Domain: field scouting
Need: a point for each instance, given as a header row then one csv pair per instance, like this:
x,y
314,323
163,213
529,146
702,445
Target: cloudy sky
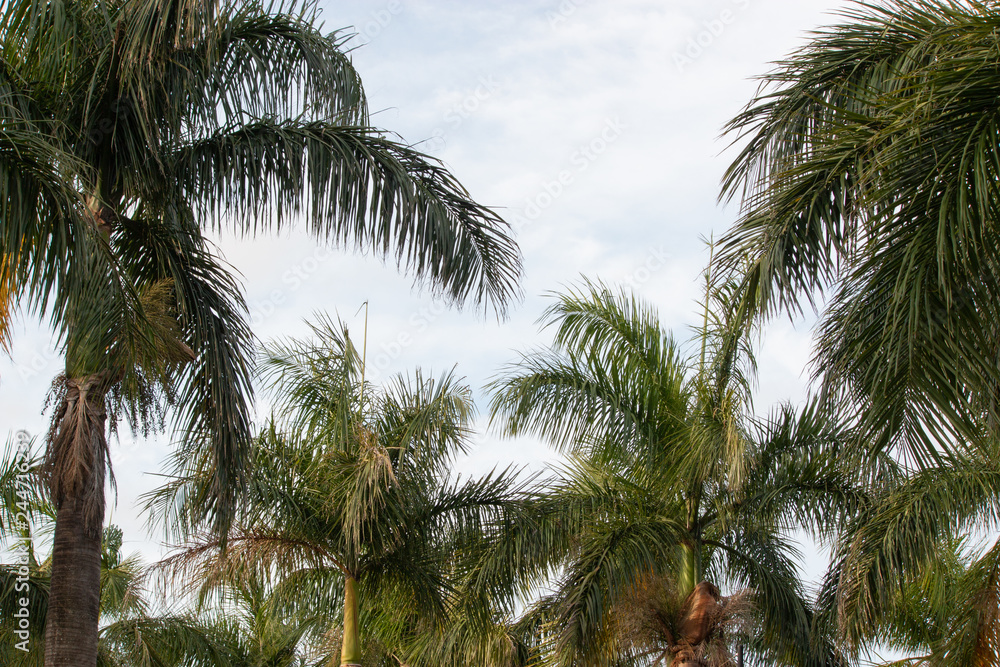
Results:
x,y
592,126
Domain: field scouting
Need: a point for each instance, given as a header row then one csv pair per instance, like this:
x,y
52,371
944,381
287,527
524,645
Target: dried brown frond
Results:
x,y
77,456
202,565
374,454
738,610
987,604
652,621
158,301
647,614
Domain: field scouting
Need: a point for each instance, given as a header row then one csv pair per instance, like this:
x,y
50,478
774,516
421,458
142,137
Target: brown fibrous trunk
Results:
x,y
699,617
77,464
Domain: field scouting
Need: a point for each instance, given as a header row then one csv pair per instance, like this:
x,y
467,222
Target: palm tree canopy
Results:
x,y
670,480
352,483
869,170
128,127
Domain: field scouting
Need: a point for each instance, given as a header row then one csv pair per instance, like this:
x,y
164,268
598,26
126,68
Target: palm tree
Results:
x,y
869,171
247,618
126,128
672,492
130,635
351,505
905,570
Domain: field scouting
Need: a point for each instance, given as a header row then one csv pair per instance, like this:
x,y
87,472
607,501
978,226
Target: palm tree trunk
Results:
x,y
350,652
690,570
76,462
696,623
71,627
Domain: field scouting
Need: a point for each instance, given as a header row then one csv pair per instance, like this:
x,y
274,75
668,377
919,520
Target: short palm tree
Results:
x,y
248,619
673,492
127,127
351,506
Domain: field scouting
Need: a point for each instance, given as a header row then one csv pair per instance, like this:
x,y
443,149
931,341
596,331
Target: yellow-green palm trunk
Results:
x,y
350,653
690,570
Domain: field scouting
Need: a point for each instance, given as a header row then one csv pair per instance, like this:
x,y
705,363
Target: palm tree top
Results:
x,y
132,126
673,488
866,185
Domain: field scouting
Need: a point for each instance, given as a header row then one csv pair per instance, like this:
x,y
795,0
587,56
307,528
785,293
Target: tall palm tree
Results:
x,y
351,504
127,127
673,492
869,171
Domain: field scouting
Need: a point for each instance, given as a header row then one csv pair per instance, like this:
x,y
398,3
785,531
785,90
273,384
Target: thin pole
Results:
x,y
708,292
364,356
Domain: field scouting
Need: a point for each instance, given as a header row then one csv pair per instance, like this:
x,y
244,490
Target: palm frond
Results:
x,y
869,172
357,188
902,532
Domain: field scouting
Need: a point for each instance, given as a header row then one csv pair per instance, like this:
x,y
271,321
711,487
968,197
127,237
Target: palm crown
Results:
x,y
161,118
672,490
351,504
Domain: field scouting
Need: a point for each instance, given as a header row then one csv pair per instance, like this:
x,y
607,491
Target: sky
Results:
x,y
592,126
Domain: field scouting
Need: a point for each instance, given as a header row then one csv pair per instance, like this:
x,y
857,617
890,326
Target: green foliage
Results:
x,y
670,481
900,574
130,634
128,127
870,172
352,481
